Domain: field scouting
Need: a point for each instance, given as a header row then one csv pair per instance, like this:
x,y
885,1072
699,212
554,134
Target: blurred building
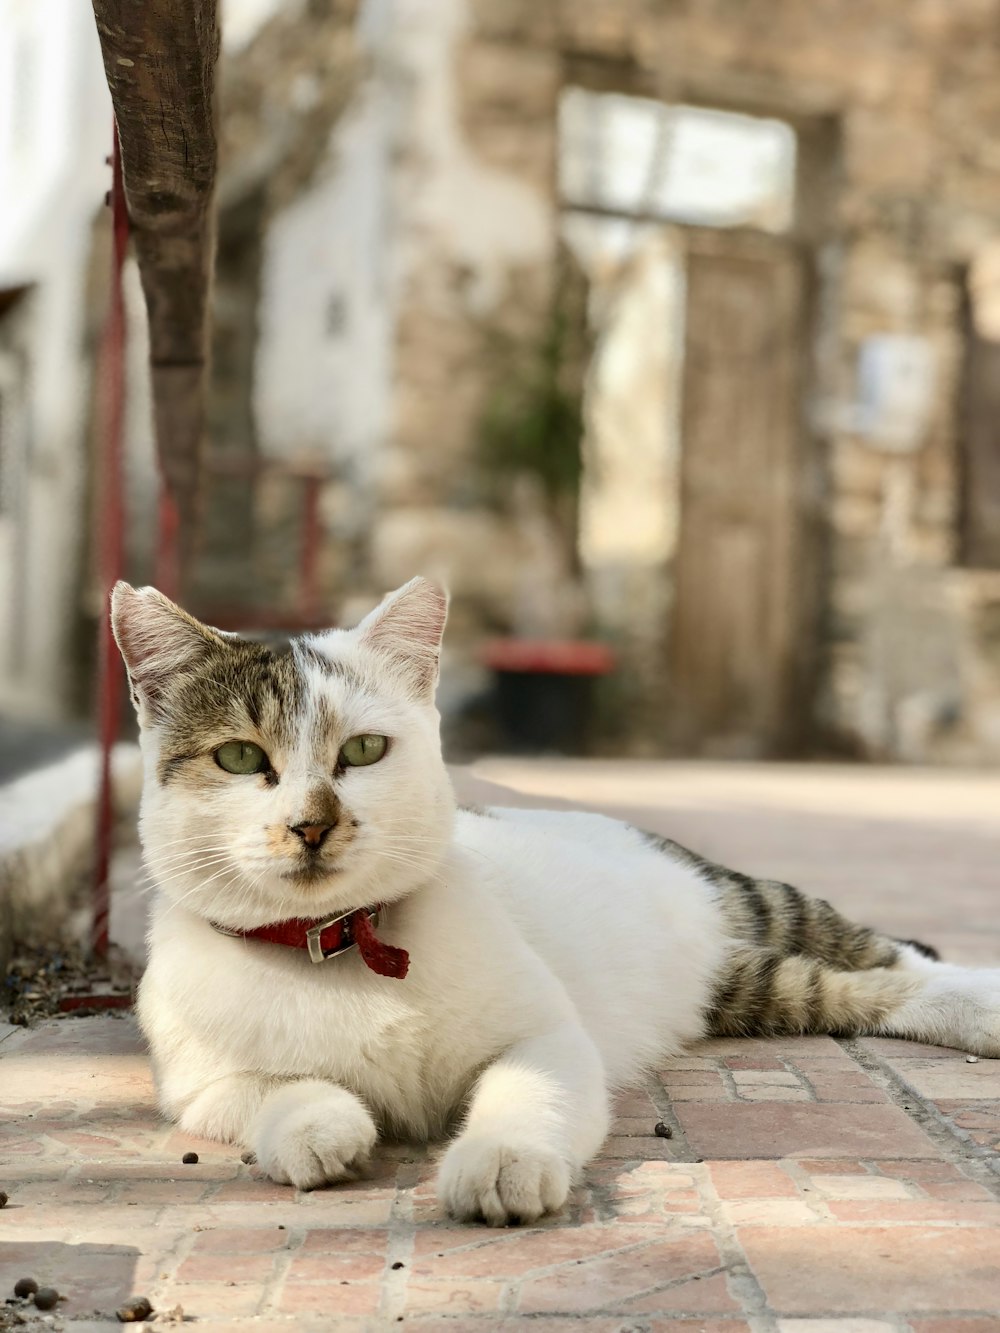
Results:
x,y
55,130
677,324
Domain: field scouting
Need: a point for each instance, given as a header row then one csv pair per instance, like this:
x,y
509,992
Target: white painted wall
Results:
x,y
55,130
400,192
323,364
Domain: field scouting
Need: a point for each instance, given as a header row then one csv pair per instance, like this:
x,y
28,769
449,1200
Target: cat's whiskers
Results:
x,y
191,856
170,872
193,867
177,902
203,883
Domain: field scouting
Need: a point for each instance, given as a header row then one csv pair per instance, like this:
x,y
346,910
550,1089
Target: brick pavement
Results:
x,y
810,1186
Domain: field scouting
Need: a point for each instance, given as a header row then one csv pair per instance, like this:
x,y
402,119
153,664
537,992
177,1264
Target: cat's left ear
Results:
x,y
158,641
405,629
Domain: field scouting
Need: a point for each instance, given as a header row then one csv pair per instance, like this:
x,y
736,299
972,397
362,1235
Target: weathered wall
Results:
x,y
426,228
899,112
55,130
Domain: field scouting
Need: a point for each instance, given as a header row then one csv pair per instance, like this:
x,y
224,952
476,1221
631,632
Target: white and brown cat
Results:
x,y
336,952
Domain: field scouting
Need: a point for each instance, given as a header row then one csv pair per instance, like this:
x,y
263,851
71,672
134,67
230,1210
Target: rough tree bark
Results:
x,y
160,58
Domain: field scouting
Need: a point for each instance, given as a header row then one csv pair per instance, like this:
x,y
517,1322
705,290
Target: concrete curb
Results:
x,y
47,835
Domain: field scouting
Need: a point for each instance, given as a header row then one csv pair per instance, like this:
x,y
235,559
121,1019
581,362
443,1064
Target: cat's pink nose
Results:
x,y
312,835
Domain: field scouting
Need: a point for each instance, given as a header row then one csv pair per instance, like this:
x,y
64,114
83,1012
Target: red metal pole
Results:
x,y
111,556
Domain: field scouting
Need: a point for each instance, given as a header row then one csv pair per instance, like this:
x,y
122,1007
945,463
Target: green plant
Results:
x,y
532,422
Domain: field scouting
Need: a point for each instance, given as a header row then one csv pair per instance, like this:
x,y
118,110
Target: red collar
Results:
x,y
328,938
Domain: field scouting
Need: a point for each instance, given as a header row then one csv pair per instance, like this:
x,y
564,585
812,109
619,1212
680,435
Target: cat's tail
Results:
x,y
762,992
778,916
797,965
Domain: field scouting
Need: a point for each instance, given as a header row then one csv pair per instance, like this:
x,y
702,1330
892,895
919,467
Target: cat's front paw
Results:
x,y
313,1134
501,1183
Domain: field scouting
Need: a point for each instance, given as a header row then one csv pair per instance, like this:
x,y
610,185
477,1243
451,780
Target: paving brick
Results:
x,y
831,1060
201,1300
792,1129
776,1212
634,1104
262,1324
862,1187
342,1240
571,1324
775,1078
695,1086
647,1192
454,1296
854,1270
241,1240
666,1276
249,1189
772,1093
751,1180
164,1191
226,1267
631,1148
888,1048
332,1299
836,1326
834,1166
963,1213
966,1189
771,1049
333,1267
475,1253
954,1324
951,1078
748,1062
633,1126
845,1087
980,1120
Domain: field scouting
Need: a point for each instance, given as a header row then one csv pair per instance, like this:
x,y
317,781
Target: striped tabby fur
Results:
x,y
799,965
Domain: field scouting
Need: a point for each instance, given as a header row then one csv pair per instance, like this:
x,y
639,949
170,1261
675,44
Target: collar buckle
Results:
x,y
314,944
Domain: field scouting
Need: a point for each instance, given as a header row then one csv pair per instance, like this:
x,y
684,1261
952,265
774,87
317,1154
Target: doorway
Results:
x,y
698,508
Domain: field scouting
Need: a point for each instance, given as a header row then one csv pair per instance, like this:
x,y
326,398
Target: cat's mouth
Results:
x,y
312,872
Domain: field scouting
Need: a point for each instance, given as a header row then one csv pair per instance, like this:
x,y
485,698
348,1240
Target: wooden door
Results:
x,y
742,636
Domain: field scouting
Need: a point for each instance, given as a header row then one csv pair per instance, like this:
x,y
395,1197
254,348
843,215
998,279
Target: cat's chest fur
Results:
x,y
529,924
410,1049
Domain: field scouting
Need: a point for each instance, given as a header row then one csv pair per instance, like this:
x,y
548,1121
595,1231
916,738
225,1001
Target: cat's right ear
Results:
x,y
157,640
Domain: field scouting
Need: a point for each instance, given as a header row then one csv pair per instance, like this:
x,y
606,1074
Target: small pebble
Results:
x,y
398,1264
135,1310
189,1158
46,1298
25,1286
3,1199
972,1059
662,1131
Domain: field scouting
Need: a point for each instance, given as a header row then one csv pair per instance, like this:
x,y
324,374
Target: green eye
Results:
x,y
242,757
361,750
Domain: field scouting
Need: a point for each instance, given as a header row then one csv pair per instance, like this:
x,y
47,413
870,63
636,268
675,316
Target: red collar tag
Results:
x,y
329,938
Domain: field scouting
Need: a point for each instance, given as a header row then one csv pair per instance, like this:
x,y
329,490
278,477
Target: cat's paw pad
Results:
x,y
501,1183
312,1142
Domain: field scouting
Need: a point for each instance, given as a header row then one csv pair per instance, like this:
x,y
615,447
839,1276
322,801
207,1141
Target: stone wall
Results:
x,y
414,229
898,110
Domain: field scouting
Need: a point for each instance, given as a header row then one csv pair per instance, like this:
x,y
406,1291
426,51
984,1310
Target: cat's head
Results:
x,y
288,784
